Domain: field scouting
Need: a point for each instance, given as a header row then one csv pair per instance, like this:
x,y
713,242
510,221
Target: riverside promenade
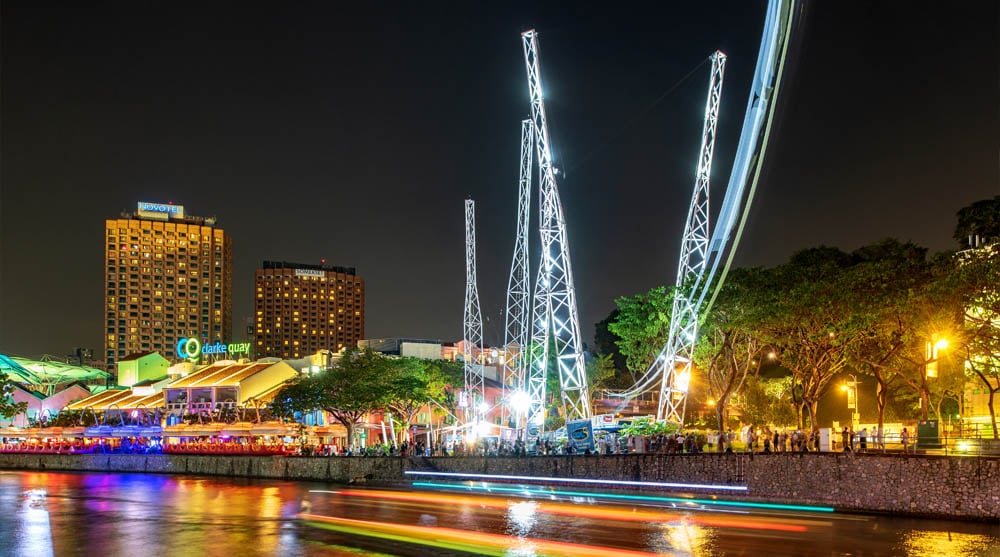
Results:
x,y
932,486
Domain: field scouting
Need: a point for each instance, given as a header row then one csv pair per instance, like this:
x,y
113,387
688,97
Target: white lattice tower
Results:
x,y
473,320
721,247
559,293
518,289
675,358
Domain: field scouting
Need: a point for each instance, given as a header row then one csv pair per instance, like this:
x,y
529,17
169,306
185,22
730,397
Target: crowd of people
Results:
x,y
750,438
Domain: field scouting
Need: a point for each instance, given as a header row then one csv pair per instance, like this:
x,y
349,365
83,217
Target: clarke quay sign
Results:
x,y
192,349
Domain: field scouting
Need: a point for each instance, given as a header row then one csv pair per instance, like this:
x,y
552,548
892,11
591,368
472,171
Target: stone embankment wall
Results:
x,y
934,486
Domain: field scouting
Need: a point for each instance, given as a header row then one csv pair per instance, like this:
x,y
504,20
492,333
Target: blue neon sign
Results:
x,y
160,208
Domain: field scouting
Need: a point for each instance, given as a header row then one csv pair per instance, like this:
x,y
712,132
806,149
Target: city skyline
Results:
x,y
355,139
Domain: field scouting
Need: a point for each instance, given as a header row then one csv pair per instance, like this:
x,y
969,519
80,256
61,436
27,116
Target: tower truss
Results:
x,y
675,358
700,262
557,291
473,320
518,288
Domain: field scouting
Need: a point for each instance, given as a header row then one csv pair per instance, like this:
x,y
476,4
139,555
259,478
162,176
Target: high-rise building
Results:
x,y
168,276
299,309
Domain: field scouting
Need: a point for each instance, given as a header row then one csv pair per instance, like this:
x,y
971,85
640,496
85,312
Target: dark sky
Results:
x,y
354,131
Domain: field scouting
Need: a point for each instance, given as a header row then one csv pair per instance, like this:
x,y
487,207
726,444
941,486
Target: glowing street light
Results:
x,y
853,400
932,356
519,402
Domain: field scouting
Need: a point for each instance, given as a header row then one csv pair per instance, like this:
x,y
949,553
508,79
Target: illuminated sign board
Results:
x,y
192,349
309,273
160,210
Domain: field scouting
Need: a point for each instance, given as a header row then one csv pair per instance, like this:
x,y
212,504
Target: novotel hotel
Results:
x,y
168,275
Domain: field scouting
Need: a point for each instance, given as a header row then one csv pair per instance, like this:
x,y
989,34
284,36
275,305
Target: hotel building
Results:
x,y
168,276
300,309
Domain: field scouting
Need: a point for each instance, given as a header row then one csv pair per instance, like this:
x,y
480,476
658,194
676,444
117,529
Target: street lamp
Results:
x,y
932,349
853,400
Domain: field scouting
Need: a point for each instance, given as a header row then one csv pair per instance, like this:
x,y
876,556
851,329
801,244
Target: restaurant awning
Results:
x,y
123,431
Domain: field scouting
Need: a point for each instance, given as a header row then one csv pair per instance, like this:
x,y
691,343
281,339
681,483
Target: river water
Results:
x,y
54,513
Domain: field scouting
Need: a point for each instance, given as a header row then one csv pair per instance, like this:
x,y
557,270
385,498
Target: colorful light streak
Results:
x,y
591,512
622,497
579,481
462,540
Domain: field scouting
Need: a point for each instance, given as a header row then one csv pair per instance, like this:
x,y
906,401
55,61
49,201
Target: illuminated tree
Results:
x,y
411,383
887,284
642,326
9,408
808,323
977,278
349,391
728,349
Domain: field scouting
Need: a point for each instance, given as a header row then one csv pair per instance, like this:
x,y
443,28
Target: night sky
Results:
x,y
353,133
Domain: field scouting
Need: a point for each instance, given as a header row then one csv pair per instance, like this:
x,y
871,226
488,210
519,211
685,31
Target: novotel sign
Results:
x,y
161,209
192,349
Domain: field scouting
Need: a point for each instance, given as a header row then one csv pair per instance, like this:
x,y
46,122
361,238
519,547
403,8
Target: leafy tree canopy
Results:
x,y
982,219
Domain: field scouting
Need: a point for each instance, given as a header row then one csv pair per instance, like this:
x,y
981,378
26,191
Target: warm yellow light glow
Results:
x,y
844,388
711,402
682,381
941,344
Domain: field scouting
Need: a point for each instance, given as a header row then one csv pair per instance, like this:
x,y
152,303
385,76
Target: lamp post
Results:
x,y
931,356
853,400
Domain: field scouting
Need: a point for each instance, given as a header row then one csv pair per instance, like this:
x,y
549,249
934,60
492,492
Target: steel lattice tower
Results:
x,y
473,318
518,288
701,258
675,358
555,286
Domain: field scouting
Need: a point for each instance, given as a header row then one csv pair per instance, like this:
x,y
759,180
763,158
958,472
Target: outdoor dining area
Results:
x,y
241,438
79,440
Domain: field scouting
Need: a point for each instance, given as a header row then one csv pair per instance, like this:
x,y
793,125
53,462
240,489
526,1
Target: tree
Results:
x,y
727,348
642,327
808,323
299,395
768,401
600,372
356,387
931,315
982,219
884,284
412,383
349,391
9,408
977,278
606,343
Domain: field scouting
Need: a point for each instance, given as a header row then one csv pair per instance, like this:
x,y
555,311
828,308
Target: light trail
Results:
x,y
590,512
579,481
468,541
622,497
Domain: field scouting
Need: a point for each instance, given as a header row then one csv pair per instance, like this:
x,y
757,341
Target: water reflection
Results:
x,y
36,532
121,514
929,543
